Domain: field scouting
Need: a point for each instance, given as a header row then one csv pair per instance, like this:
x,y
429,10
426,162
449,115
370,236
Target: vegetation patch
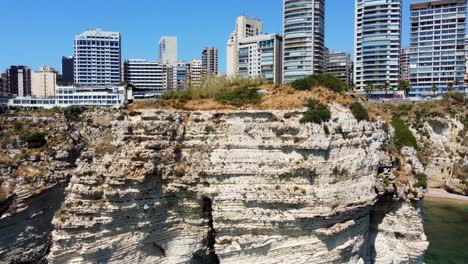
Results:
x,y
240,97
317,113
34,139
359,112
422,180
317,80
72,113
403,135
457,97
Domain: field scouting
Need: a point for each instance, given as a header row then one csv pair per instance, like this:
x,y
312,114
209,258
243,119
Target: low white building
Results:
x,y
43,82
110,96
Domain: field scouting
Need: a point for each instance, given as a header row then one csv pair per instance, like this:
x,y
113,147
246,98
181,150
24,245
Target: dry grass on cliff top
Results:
x,y
277,97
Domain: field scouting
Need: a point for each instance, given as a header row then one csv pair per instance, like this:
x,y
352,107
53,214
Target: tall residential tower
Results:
x,y
168,50
210,62
245,27
377,43
303,38
97,58
438,29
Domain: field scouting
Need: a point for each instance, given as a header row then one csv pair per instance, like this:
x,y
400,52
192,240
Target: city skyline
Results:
x,y
140,41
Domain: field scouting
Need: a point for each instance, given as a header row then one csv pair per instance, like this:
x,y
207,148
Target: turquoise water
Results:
x,y
446,226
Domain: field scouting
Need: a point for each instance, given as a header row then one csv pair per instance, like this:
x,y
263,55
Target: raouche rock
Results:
x,y
245,186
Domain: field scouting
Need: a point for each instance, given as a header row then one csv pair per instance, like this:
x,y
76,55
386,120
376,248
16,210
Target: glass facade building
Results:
x,y
146,76
377,42
437,54
304,38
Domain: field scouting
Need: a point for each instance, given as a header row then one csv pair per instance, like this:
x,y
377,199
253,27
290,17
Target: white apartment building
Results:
x,y
43,82
168,50
146,76
97,58
196,73
377,43
438,33
303,38
260,56
245,27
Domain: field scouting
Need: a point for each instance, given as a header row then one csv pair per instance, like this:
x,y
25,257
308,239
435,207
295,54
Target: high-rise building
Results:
x,y
43,82
260,56
67,70
303,38
245,27
377,43
97,58
147,77
466,60
405,65
19,78
340,65
438,29
210,62
168,50
4,85
196,73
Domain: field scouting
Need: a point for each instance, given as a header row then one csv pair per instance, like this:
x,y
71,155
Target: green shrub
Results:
x,y
214,87
240,97
34,139
72,113
316,80
422,180
456,96
403,135
317,113
359,112
182,96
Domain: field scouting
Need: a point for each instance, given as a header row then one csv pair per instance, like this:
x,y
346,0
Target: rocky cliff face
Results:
x,y
165,186
444,153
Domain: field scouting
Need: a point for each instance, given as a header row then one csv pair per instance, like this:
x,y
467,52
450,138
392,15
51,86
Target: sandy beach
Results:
x,y
438,195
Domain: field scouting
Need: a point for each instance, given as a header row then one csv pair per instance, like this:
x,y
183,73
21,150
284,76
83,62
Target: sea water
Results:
x,y
446,226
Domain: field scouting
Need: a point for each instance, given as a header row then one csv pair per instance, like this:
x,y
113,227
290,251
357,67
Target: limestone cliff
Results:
x,y
247,186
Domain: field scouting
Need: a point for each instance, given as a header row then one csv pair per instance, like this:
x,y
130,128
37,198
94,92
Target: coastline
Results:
x,y
442,196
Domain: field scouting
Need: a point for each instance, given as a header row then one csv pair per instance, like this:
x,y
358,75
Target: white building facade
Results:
x,y
146,76
245,27
303,38
97,58
438,31
110,96
260,56
43,82
377,43
196,73
167,50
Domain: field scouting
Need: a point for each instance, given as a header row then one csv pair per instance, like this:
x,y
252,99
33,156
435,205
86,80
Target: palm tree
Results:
x,y
434,88
368,88
386,86
405,85
450,86
456,83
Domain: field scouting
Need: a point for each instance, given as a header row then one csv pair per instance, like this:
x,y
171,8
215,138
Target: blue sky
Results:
x,y
39,32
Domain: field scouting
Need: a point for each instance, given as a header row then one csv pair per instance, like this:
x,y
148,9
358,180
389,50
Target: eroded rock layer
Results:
x,y
166,186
